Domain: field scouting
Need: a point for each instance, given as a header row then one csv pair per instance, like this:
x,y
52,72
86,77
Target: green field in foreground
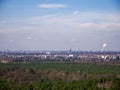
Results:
x,y
59,76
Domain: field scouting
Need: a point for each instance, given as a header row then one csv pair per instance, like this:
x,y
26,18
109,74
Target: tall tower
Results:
x,y
70,50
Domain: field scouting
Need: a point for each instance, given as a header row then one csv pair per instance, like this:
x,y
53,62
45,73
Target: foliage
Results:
x,y
59,76
61,85
69,67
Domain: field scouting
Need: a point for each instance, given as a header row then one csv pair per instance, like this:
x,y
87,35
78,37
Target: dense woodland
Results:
x,y
59,76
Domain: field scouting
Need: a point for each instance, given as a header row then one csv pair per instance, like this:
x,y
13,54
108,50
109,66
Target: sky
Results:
x,y
60,25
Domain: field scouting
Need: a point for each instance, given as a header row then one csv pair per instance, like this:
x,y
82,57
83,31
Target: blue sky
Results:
x,y
59,24
26,8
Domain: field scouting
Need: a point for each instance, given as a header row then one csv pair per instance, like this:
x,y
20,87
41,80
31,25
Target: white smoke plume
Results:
x,y
104,45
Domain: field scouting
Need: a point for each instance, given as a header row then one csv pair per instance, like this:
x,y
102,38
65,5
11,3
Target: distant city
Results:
x,y
67,56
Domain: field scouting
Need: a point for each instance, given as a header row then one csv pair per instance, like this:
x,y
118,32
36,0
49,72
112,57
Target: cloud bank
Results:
x,y
74,30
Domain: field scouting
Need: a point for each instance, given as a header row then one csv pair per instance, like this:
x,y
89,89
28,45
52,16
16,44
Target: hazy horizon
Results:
x,y
60,25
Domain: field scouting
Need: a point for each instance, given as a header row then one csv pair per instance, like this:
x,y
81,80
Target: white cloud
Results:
x,y
51,5
28,38
75,12
11,41
81,22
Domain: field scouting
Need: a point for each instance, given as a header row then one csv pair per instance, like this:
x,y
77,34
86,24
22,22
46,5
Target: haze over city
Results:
x,y
60,25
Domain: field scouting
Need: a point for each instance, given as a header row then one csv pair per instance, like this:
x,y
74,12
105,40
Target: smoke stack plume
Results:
x,y
104,45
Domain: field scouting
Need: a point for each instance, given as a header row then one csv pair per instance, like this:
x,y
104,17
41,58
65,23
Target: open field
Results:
x,y
59,76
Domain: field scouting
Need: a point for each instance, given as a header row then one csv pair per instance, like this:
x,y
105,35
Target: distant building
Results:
x,y
5,61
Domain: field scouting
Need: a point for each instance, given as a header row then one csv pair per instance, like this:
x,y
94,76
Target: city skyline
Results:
x,y
60,25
